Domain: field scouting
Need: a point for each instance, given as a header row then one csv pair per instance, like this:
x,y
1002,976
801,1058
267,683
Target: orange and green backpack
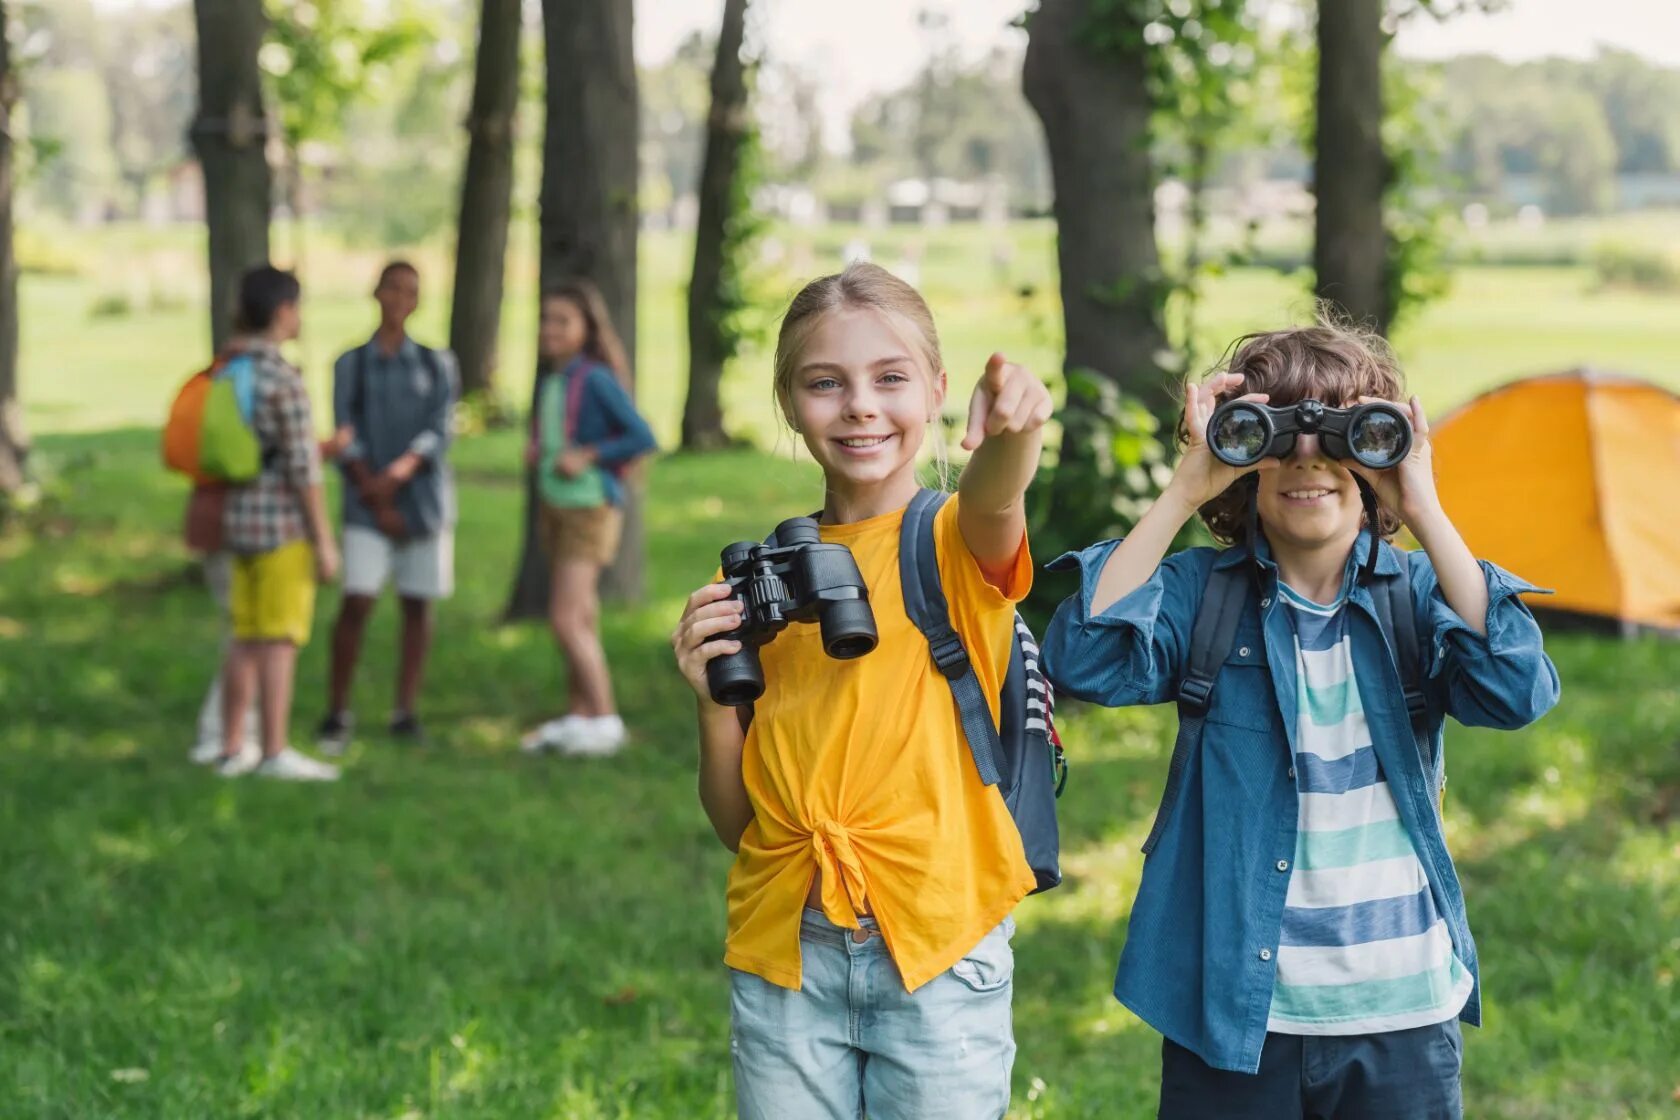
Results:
x,y
209,434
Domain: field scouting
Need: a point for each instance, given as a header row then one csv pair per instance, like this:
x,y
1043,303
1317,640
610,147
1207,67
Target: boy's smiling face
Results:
x,y
1310,502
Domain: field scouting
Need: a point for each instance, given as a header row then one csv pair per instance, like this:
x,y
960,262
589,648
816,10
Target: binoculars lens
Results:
x,y
1379,438
1240,436
848,629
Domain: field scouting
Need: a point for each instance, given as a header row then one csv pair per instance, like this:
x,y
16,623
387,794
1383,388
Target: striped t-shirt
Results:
x,y
1363,947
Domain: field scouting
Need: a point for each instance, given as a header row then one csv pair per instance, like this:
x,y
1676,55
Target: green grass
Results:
x,y
463,932
989,289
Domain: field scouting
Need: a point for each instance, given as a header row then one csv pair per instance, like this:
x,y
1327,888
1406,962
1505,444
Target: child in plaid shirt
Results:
x,y
276,528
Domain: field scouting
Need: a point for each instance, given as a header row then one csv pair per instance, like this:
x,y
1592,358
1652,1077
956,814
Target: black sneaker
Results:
x,y
333,734
406,726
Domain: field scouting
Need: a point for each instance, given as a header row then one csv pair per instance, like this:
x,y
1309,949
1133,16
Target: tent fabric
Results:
x,y
1572,481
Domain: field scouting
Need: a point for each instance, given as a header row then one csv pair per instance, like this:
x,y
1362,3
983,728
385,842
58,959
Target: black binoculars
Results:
x,y
1376,435
791,577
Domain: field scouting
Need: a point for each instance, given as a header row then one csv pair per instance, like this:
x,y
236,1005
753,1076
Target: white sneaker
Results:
x,y
596,737
290,766
551,735
234,766
210,750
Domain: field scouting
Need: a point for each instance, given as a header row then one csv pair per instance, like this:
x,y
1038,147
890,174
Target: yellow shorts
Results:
x,y
588,534
273,595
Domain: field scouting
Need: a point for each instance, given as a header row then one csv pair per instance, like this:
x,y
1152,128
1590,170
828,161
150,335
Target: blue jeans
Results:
x,y
852,1042
1397,1075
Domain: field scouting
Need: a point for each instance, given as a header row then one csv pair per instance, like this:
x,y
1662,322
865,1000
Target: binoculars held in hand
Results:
x,y
1377,435
792,577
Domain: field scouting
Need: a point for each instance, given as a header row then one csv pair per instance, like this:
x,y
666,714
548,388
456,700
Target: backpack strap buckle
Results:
x,y
1196,691
949,654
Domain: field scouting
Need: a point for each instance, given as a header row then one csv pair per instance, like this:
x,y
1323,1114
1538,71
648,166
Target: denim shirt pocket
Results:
x,y
1242,697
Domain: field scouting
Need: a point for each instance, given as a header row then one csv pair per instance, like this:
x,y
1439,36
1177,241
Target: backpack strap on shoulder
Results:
x,y
1392,598
1223,599
925,603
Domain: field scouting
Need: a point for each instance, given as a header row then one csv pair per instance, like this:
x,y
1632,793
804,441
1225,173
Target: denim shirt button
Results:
x,y
1292,773
1265,954
1283,865
1243,652
1266,602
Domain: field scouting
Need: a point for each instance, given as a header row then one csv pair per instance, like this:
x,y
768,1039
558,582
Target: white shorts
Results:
x,y
422,568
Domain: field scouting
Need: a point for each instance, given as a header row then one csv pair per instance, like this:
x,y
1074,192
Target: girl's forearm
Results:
x,y
999,471
723,791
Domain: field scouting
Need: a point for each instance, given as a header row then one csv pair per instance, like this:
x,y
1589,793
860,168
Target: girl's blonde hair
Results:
x,y
866,286
602,342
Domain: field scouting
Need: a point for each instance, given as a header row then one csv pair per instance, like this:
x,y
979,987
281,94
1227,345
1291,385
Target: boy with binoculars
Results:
x,y
1299,936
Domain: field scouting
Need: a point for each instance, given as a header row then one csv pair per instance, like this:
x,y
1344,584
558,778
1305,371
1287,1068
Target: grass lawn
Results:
x,y
462,932
989,290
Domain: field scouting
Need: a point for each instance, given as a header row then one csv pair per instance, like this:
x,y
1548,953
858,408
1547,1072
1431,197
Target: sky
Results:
x,y
861,46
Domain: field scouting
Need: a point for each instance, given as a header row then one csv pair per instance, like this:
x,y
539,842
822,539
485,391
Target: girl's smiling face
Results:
x,y
862,398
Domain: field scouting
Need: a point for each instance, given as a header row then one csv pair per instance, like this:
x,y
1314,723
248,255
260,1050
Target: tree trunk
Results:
x,y
486,193
1350,171
1095,111
1095,107
14,444
588,225
726,129
229,136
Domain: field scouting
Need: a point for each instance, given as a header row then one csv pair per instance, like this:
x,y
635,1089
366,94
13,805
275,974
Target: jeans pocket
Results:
x,y
990,965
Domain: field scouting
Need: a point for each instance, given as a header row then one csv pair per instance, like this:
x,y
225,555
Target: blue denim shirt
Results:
x,y
1200,959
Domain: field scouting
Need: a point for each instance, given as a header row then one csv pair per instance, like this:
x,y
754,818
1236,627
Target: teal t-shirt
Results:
x,y
588,489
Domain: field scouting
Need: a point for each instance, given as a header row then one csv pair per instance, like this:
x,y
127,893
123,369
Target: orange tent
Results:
x,y
1572,482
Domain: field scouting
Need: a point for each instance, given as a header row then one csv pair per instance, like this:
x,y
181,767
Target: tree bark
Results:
x,y
1095,111
726,130
14,443
229,135
1350,248
1095,107
588,226
486,197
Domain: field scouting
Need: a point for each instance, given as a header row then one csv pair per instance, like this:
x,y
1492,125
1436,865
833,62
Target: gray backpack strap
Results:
x,y
1392,597
924,602
1210,643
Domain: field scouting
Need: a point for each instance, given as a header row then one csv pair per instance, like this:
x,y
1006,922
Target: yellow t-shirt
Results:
x,y
860,767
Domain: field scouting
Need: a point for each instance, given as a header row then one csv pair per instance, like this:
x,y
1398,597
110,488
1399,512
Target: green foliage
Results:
x,y
742,315
69,118
323,55
957,119
1624,266
675,96
1073,502
1416,214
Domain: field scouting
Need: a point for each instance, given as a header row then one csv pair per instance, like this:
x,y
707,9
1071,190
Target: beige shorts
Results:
x,y
580,534
422,569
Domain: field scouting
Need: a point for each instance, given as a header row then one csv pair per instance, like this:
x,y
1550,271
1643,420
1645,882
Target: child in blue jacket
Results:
x,y
1299,935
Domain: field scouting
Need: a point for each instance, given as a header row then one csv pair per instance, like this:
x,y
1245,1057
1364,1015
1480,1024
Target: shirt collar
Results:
x,y
1388,559
405,352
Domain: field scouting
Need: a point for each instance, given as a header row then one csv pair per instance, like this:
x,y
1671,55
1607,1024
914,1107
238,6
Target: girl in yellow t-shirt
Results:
x,y
875,874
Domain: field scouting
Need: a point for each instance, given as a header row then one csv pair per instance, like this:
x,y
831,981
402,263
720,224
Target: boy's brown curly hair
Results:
x,y
1330,361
